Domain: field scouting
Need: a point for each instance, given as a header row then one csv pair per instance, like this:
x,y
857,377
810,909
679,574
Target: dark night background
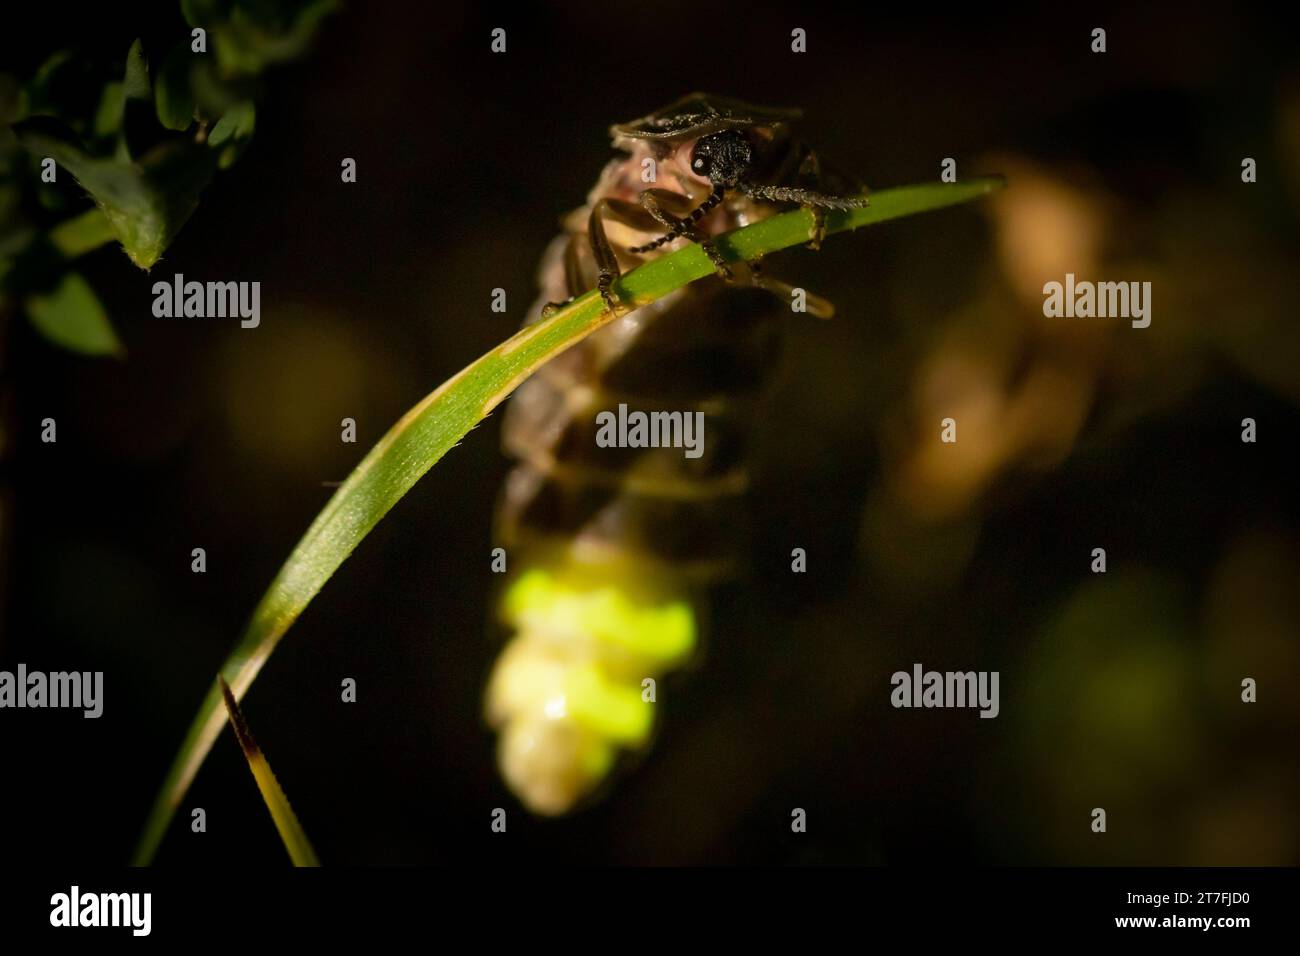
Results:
x,y
1118,690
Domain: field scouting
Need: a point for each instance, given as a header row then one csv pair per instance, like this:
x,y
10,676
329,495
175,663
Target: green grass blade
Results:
x,y
286,821
443,418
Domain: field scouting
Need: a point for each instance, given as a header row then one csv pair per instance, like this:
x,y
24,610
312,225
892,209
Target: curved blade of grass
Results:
x,y
431,428
286,821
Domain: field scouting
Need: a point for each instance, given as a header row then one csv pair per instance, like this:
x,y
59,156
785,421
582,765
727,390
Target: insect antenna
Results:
x,y
805,197
698,213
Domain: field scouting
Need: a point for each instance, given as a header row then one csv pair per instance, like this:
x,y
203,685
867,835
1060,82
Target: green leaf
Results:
x,y
80,234
38,93
71,316
108,116
135,84
286,822
139,132
146,201
233,132
235,124
197,12
172,97
426,432
249,37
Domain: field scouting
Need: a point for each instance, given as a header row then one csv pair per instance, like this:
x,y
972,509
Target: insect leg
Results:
x,y
607,269
810,173
689,216
814,305
654,202
573,278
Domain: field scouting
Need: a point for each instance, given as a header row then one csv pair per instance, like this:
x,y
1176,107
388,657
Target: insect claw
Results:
x,y
611,300
818,231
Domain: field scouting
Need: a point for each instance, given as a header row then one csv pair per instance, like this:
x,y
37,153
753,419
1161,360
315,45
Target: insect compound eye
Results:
x,y
722,158
702,158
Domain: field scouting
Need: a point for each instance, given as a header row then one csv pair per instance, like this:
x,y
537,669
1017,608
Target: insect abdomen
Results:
x,y
610,544
702,361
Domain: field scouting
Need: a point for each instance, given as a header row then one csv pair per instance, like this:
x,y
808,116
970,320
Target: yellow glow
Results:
x,y
566,693
615,711
541,602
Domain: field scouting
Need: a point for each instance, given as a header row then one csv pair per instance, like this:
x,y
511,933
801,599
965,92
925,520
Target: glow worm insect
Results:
x,y
613,548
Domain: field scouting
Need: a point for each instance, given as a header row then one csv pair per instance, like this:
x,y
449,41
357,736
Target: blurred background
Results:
x,y
1118,690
